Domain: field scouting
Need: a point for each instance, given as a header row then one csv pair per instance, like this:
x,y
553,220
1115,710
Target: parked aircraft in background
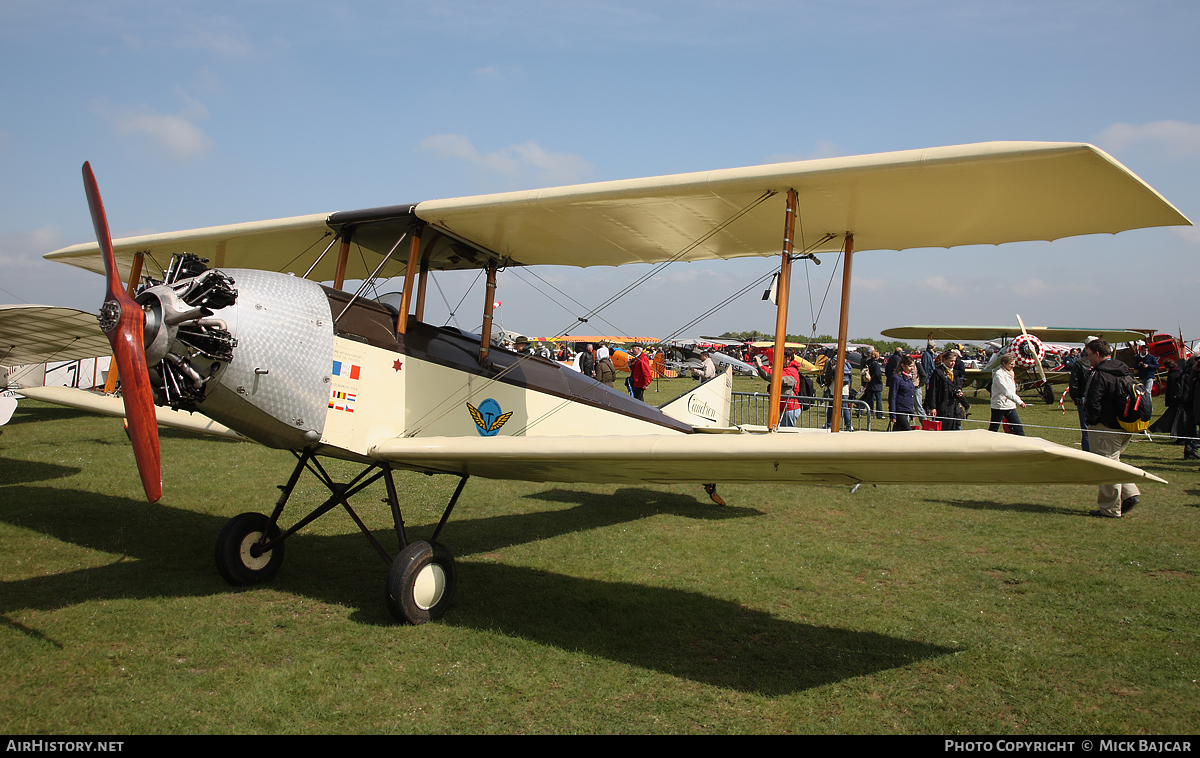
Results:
x,y
1027,344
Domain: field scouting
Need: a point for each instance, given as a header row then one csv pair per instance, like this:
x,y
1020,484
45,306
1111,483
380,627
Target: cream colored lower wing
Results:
x,y
918,457
107,405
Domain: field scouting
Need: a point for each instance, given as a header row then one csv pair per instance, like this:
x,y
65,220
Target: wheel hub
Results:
x,y
429,586
247,551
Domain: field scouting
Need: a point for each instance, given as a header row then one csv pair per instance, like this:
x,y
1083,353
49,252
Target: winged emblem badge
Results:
x,y
488,418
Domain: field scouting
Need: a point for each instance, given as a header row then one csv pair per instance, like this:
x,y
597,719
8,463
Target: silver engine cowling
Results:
x,y
250,349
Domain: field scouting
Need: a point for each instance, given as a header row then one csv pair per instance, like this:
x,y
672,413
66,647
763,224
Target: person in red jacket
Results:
x,y
639,369
793,383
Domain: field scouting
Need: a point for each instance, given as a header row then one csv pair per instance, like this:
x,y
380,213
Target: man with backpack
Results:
x,y
1191,404
1105,399
1077,388
872,384
826,380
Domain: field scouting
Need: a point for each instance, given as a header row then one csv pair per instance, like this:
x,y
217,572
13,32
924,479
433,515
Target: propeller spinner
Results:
x,y
122,320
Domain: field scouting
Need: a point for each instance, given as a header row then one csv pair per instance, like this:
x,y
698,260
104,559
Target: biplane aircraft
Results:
x,y
686,358
1027,345
227,332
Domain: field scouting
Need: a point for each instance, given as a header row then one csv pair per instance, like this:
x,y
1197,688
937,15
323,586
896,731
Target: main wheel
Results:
x,y
238,558
1048,394
420,584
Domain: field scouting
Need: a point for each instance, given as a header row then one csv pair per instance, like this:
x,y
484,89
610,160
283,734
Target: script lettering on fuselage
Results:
x,y
701,408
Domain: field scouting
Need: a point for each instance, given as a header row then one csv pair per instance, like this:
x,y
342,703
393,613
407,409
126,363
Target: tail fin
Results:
x,y
706,406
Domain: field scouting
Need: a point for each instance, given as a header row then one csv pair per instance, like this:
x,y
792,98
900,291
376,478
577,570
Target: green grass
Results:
x,y
598,609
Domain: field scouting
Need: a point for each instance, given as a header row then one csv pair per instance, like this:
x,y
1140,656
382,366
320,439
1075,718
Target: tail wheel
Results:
x,y
421,582
239,557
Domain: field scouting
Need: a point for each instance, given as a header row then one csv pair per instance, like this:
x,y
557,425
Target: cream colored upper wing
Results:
x,y
43,333
939,197
979,457
267,245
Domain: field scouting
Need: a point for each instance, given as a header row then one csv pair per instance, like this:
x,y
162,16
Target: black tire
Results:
x,y
234,559
421,582
1048,394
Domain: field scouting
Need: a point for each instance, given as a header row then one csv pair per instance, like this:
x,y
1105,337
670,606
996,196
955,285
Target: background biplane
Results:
x,y
1026,343
300,366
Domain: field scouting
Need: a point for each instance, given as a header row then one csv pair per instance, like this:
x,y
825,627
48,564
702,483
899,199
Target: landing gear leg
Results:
x,y
421,579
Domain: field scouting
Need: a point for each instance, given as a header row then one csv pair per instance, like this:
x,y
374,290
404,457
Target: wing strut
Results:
x,y
410,276
489,294
781,310
419,314
339,277
843,329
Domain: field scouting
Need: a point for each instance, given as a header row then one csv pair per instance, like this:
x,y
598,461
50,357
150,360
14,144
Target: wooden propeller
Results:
x,y
123,321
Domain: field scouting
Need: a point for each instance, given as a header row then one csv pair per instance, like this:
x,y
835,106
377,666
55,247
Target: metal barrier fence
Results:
x,y
751,408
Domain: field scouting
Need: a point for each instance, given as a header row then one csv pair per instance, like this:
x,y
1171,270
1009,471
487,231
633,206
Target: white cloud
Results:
x,y
942,285
1188,233
695,278
524,161
869,285
25,249
230,42
176,133
1031,288
1172,139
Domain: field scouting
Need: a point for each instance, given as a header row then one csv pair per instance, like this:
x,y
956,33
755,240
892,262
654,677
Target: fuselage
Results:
x,y
295,379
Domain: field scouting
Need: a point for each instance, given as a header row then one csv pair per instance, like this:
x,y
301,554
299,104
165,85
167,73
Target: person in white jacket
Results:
x,y
1005,398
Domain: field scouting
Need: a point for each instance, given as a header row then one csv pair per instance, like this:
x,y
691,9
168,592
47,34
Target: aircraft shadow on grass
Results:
x,y
1156,464
697,637
16,471
33,414
991,505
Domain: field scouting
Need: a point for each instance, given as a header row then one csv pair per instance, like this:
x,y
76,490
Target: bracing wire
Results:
x,y
832,274
462,299
518,273
447,302
686,249
760,280
445,406
305,250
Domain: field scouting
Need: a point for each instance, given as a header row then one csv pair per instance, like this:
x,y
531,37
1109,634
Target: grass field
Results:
x,y
955,609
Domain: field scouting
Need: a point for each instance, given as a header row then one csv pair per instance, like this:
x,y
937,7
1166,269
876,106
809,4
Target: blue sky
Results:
x,y
203,113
